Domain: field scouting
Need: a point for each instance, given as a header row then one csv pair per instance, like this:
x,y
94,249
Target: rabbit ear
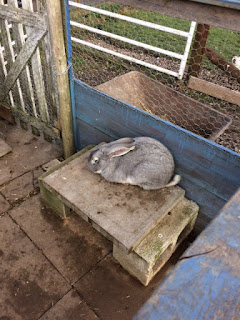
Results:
x,y
123,141
117,151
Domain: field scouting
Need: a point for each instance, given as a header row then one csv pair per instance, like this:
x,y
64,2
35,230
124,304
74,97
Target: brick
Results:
x,y
155,250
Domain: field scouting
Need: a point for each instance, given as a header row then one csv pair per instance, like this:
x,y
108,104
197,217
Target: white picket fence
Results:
x,y
26,71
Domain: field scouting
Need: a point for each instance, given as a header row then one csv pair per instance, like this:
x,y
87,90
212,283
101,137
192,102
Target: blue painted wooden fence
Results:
x,y
210,173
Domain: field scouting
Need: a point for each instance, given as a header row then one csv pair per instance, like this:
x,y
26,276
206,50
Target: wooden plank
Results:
x,y
6,113
27,51
3,72
214,90
10,58
126,214
25,17
37,71
206,283
158,246
48,69
202,161
24,77
222,63
202,13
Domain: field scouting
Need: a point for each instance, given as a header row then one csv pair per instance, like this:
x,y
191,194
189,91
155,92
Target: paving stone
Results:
x,y
4,205
72,245
29,284
70,307
19,188
4,148
51,164
114,294
28,152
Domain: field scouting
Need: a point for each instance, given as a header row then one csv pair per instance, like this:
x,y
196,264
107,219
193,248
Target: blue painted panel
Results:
x,y
86,131
205,286
200,161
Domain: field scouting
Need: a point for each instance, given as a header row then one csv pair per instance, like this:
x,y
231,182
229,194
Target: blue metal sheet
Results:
x,y
206,283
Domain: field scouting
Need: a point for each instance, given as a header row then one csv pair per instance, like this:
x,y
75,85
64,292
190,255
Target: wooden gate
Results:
x,y
26,69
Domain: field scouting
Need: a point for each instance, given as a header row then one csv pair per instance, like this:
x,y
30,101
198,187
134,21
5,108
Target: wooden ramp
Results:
x,y
124,214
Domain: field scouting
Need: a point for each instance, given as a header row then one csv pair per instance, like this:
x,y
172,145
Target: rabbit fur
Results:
x,y
141,161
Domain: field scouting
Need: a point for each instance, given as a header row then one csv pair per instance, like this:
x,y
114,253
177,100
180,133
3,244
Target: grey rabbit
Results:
x,y
141,161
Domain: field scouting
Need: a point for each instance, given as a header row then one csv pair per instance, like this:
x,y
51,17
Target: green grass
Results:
x,y
224,42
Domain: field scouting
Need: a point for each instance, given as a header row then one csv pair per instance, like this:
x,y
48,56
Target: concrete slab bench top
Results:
x,y
124,214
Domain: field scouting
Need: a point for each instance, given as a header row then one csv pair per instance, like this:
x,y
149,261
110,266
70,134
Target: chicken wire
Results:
x,y
33,97
95,67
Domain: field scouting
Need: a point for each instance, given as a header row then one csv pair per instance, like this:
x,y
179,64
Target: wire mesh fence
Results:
x,y
26,68
121,55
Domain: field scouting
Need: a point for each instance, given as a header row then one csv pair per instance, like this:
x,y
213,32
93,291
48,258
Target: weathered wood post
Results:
x,y
198,49
61,68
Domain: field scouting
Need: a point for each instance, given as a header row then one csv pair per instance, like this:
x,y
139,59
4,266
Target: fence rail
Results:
x,y
182,57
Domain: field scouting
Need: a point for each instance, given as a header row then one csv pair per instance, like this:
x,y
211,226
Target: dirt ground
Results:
x,y
52,268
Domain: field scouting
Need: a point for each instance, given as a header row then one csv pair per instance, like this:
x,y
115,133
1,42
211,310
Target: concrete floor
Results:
x,y
52,268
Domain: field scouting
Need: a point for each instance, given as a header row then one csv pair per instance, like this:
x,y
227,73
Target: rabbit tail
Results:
x,y
176,179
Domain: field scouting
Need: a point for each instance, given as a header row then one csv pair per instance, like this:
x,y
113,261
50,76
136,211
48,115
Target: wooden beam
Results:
x,y
6,113
222,63
203,13
60,62
21,61
214,90
25,17
198,49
